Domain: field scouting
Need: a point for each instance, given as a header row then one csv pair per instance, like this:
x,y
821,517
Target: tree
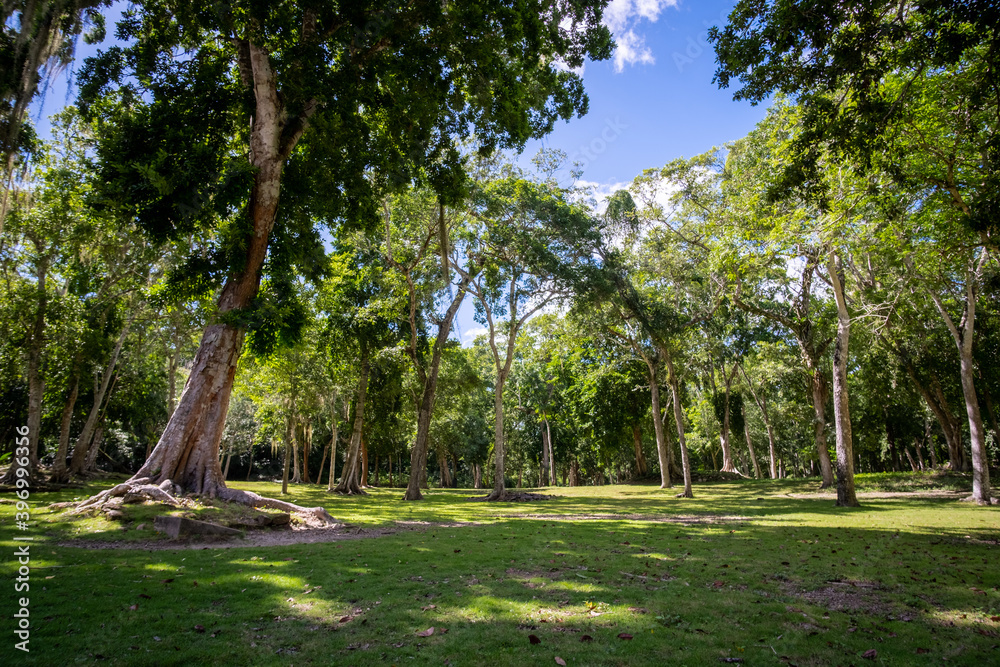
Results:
x,y
342,100
534,243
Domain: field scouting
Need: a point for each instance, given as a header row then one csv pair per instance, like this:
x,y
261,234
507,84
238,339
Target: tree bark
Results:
x,y
307,436
762,404
846,496
499,484
296,470
229,458
675,392
364,462
753,455
322,462
552,458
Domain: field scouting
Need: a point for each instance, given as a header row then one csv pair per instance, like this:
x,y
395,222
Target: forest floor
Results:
x,y
752,572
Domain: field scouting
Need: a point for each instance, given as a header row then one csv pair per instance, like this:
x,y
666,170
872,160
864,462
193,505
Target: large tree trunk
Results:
x,y
60,473
446,481
91,463
187,454
322,462
675,391
352,462
845,445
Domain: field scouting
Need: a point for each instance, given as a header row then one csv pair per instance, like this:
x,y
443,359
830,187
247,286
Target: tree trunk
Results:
x,y
552,458
950,424
364,462
418,455
499,486
753,455
296,470
333,444
446,480
964,334
845,444
727,454
250,465
661,441
913,464
477,476
229,458
60,473
322,462
289,447
640,459
819,396
574,472
675,392
349,474
36,386
83,441
543,471
91,463
307,433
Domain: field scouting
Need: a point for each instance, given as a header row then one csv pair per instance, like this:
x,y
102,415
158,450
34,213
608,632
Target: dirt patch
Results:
x,y
851,596
514,497
269,538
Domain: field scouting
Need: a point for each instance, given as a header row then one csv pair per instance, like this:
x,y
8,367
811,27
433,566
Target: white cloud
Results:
x,y
470,336
600,192
622,17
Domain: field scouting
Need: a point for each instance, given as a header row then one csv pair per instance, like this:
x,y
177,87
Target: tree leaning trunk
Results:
x,y
846,496
187,453
753,455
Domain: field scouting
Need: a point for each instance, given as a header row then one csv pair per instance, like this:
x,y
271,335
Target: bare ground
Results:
x,y
267,537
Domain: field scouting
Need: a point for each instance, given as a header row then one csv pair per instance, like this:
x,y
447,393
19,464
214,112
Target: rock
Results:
x,y
114,514
140,526
175,527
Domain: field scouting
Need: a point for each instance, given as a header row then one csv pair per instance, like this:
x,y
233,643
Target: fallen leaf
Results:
x,y
923,650
560,661
428,607
144,596
586,638
345,619
166,581
426,633
133,607
624,635
534,639
199,628
157,639
458,551
870,654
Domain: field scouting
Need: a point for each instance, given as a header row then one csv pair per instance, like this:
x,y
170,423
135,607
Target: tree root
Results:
x,y
139,490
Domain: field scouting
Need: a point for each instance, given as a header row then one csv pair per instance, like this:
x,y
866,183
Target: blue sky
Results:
x,y
652,102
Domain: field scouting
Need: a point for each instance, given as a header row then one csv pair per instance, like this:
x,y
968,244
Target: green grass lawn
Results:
x,y
767,573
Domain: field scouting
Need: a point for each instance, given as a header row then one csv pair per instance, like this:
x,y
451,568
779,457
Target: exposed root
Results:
x,y
140,490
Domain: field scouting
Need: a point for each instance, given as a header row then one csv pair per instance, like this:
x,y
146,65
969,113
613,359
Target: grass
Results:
x,y
765,572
